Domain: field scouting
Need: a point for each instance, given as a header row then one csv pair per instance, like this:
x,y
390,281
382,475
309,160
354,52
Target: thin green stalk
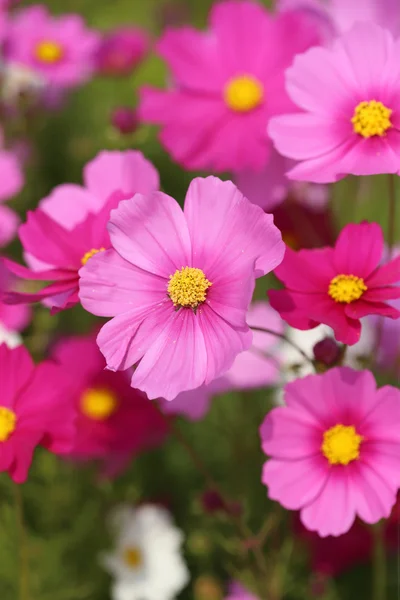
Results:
x,y
22,544
379,564
283,337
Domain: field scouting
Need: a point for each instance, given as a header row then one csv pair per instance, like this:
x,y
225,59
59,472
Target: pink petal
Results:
x,y
386,274
358,249
16,370
128,172
110,285
177,360
293,308
373,495
223,342
286,434
151,233
9,221
381,422
69,204
333,511
23,444
307,271
12,178
220,217
361,308
295,483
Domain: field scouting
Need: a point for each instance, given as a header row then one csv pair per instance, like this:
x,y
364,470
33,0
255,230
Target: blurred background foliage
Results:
x,y
65,507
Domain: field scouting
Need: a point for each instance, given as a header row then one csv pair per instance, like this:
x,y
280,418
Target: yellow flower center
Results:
x,y
371,118
91,253
188,287
341,444
243,93
8,422
346,288
132,557
99,404
49,52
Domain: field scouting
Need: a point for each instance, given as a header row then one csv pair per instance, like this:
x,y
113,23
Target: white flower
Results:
x,y
10,338
17,79
147,563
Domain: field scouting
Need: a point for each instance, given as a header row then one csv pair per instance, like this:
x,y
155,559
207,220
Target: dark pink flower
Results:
x,y
122,50
114,422
69,226
338,286
34,409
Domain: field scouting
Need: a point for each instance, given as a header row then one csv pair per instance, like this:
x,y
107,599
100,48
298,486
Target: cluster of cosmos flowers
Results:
x,y
285,103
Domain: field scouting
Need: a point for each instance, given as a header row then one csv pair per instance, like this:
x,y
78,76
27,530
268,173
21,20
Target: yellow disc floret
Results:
x,y
8,422
91,253
341,444
98,403
243,93
346,288
371,118
49,52
132,557
188,287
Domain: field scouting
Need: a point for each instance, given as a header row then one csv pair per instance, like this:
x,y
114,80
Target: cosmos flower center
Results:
x,y
346,288
98,404
341,444
243,93
188,287
371,118
132,557
8,422
49,52
91,253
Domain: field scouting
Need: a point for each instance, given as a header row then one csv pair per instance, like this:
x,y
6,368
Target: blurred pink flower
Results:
x,y
257,367
11,183
335,17
179,283
350,102
33,410
122,50
115,422
335,450
338,286
61,49
227,83
238,592
70,225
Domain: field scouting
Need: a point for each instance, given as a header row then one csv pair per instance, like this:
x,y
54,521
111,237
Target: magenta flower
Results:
x,y
227,83
61,49
350,102
122,50
179,283
114,422
33,410
338,286
335,17
335,450
238,592
69,226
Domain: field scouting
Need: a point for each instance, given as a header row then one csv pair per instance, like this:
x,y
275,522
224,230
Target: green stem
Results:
x,y
283,337
391,214
23,548
379,564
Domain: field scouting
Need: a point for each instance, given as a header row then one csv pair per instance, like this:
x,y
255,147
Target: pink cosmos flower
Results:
x,y
114,421
61,49
338,286
122,50
33,410
335,17
179,283
226,84
238,592
335,450
349,98
69,226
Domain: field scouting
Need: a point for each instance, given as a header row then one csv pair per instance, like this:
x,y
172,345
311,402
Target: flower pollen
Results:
x,y
346,288
132,557
91,253
98,404
371,118
341,444
243,93
188,287
8,421
49,52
